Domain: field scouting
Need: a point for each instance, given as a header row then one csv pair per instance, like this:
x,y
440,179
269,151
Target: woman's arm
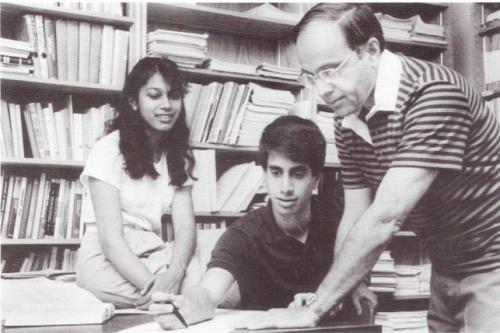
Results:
x,y
185,241
106,203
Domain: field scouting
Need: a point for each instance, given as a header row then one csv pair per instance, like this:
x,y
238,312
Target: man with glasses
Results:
x,y
418,146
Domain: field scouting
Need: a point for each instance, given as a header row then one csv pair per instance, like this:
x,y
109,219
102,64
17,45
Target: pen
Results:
x,y
176,312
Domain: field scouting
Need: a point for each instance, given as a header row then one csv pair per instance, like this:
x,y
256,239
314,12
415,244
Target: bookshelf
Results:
x,y
75,96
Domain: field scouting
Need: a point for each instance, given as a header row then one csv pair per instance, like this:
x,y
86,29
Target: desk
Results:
x,y
115,324
121,322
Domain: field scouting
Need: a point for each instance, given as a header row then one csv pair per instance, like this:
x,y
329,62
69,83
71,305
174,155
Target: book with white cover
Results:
x,y
44,302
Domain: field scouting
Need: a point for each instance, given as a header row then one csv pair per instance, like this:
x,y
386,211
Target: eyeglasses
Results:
x,y
326,74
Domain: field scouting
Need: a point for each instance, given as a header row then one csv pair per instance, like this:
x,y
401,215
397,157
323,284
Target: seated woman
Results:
x,y
133,175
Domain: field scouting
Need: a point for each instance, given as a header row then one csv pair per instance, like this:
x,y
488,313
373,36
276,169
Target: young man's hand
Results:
x,y
360,293
189,306
281,318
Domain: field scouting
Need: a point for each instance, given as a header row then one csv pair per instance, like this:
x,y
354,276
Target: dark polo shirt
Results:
x,y
269,266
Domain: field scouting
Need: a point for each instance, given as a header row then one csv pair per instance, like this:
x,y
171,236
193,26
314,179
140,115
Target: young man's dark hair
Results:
x,y
357,21
297,138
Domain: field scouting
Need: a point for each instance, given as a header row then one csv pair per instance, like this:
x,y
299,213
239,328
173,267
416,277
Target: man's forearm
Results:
x,y
359,252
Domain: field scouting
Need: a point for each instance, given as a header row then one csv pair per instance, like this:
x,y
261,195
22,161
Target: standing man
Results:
x,y
276,251
418,146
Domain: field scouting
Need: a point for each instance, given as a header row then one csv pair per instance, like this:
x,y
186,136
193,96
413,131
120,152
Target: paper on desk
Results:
x,y
223,322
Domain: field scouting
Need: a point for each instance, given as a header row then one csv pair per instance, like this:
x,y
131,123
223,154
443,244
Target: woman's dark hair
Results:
x,y
357,21
298,139
134,143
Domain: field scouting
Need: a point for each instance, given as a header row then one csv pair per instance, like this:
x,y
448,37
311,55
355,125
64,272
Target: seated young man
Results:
x,y
277,251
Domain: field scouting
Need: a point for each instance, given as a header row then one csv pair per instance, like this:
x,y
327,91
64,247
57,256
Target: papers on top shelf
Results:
x,y
231,67
493,16
269,11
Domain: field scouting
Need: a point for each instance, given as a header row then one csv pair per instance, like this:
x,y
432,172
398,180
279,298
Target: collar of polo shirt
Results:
x,y
385,95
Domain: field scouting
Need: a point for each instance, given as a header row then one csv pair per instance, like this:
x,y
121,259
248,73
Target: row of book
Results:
x,y
105,7
15,56
411,29
491,56
185,48
40,130
37,207
402,321
232,192
62,259
168,234
76,50
232,113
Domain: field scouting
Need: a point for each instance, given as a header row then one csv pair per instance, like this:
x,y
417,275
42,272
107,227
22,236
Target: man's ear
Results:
x,y
373,50
133,103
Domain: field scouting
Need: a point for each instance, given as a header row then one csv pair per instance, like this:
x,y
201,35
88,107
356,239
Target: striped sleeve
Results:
x,y
352,176
435,129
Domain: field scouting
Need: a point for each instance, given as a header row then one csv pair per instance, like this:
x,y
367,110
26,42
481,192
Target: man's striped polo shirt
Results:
x,y
439,122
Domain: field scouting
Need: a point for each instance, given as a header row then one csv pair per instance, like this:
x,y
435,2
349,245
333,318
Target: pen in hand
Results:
x,y
176,312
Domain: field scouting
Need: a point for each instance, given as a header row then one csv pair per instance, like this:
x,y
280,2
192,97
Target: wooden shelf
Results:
x,y
219,20
489,28
41,163
406,234
393,42
36,242
10,8
217,214
30,82
491,94
209,75
410,297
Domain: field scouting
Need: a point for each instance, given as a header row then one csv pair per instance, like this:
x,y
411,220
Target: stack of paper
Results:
x,y
411,29
186,49
231,67
426,32
269,11
265,105
383,275
402,321
493,16
237,187
279,72
15,56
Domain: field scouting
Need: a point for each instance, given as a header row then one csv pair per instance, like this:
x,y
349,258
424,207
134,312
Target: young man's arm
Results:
x,y
195,304
399,192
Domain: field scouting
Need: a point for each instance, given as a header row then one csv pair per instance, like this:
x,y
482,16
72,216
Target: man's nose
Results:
x,y
286,185
325,90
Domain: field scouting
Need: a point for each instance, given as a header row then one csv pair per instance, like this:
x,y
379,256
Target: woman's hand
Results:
x,y
170,281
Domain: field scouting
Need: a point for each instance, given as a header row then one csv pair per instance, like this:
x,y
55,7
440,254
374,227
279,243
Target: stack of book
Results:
x,y
232,192
494,106
38,207
411,29
76,50
278,72
402,321
491,56
185,48
324,120
57,259
231,67
265,105
412,280
237,187
495,16
15,57
383,275
52,133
